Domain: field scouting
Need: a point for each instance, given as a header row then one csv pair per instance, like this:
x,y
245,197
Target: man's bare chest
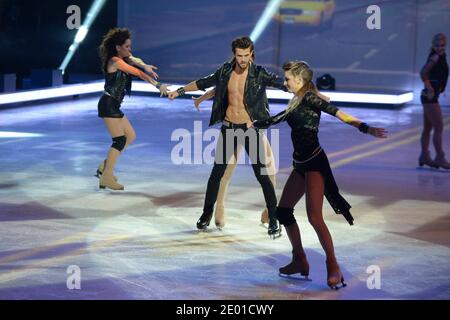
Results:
x,y
236,85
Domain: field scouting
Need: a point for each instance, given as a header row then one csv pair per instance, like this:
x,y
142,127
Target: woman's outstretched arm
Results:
x,y
138,62
362,126
121,65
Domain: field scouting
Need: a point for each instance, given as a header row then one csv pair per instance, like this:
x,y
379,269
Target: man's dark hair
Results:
x,y
243,43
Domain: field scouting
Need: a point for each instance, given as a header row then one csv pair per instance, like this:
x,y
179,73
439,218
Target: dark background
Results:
x,y
189,39
33,35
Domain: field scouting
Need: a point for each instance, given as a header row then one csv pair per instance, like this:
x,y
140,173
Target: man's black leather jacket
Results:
x,y
255,98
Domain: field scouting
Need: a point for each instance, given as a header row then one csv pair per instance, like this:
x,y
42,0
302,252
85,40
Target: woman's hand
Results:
x,y
163,90
377,132
149,70
249,124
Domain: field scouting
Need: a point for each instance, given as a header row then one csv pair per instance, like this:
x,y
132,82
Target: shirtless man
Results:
x,y
240,98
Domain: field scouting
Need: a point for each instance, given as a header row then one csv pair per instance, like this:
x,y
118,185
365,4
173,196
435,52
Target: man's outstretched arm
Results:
x,y
201,84
192,86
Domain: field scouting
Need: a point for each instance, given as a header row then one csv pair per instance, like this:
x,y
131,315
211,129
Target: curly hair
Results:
x,y
114,37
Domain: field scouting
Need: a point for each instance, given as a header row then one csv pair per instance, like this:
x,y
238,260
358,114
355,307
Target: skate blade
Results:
x,y
338,286
275,236
294,277
426,168
102,190
206,229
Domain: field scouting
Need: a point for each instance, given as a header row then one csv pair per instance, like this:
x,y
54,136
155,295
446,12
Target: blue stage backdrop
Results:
x,y
189,39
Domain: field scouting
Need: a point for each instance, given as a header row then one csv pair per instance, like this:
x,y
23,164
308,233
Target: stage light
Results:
x,y
269,12
326,82
64,91
11,134
82,32
141,86
351,97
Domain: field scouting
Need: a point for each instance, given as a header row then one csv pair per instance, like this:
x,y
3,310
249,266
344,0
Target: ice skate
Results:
x,y
335,279
299,264
107,181
204,220
274,230
442,163
426,160
101,168
219,217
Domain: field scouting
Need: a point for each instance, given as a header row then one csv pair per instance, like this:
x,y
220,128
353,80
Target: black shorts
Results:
x,y
424,97
108,107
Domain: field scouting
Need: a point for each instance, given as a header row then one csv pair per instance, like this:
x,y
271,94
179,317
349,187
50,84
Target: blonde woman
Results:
x,y
434,75
311,175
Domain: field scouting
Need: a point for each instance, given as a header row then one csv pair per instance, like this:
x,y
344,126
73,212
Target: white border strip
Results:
x,y
140,86
63,91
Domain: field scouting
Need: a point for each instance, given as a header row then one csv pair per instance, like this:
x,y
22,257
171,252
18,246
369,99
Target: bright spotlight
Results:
x,y
269,12
11,134
82,32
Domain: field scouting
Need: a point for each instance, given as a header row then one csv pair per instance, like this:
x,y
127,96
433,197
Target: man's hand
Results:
x,y
172,95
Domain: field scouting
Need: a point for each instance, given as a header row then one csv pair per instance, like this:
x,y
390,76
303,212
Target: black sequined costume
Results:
x,y
304,119
117,84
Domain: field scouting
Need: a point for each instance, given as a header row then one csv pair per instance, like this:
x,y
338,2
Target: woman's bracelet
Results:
x,y
158,85
364,127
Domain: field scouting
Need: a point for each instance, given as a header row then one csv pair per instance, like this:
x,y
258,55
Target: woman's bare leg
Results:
x,y
115,129
434,114
425,137
129,132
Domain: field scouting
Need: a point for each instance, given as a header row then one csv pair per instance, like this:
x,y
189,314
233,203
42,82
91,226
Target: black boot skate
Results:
x,y
204,220
274,228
